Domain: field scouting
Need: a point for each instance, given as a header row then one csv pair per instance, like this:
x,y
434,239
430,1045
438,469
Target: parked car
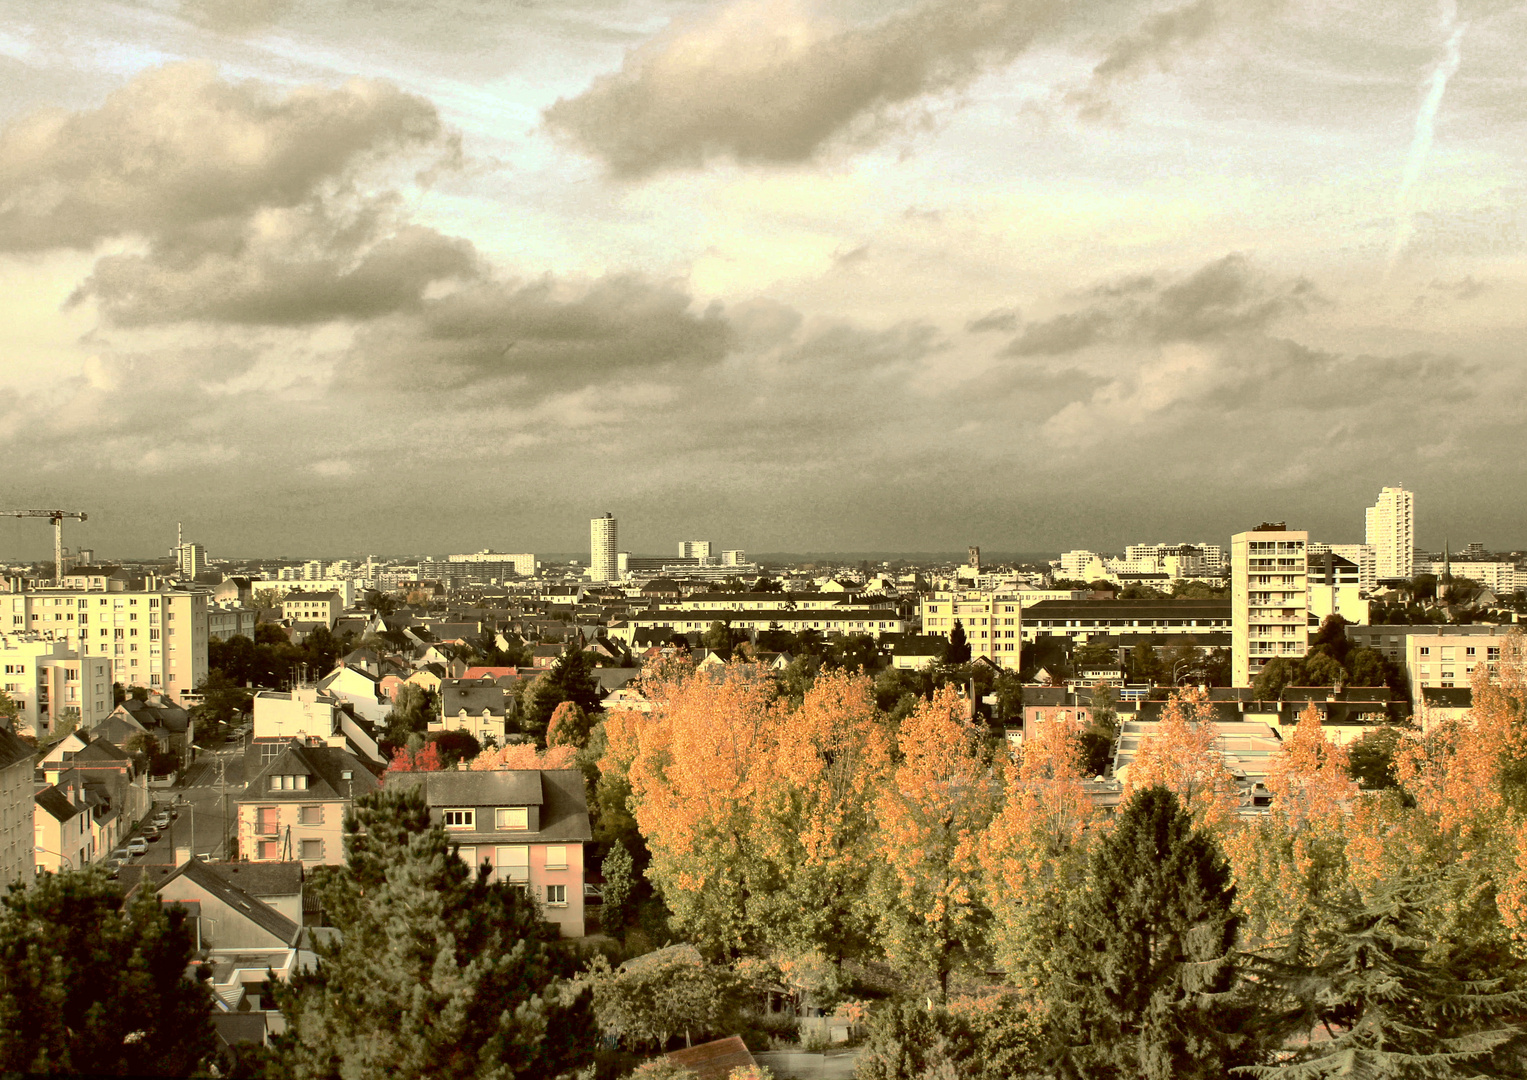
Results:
x,y
137,846
162,821
150,834
121,854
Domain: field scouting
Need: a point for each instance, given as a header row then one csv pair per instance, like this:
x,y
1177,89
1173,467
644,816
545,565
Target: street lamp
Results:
x,y
1181,663
49,851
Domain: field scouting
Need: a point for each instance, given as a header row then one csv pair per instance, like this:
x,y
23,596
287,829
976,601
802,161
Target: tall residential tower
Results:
x,y
1391,532
603,565
1269,598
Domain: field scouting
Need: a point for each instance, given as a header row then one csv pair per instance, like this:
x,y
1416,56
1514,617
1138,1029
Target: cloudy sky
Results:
x,y
330,276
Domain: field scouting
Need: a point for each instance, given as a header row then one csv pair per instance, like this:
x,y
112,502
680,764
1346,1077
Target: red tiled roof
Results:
x,y
714,1060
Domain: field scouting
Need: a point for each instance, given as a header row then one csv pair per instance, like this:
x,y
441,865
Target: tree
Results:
x,y
651,999
411,712
1144,666
468,984
1391,1002
9,710
569,726
1270,681
619,889
89,989
1367,667
224,702
1323,669
719,639
1183,756
932,820
958,649
1370,760
1144,979
1092,655
453,745
569,679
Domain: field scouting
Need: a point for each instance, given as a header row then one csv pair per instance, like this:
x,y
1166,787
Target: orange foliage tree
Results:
x,y
1292,861
693,781
1182,756
524,756
1035,850
933,819
825,762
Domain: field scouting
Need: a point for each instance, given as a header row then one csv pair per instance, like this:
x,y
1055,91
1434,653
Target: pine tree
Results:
x,y
958,649
438,974
1145,970
88,989
1392,1004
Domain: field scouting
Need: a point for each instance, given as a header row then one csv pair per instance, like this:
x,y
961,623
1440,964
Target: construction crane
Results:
x,y
57,518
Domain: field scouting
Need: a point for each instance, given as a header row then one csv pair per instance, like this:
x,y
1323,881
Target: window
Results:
x,y
1426,650
310,815
459,819
312,851
556,858
266,821
556,896
513,862
267,849
512,817
468,855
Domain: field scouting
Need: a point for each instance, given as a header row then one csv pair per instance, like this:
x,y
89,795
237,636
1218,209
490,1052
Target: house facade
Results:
x,y
294,809
528,826
17,805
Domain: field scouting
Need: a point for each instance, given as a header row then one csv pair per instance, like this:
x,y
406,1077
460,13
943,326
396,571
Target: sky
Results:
x,y
330,277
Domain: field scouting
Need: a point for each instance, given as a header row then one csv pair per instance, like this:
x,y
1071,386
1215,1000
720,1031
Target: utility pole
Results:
x,y
222,790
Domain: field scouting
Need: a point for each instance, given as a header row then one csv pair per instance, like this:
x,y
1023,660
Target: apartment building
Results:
x,y
829,622
1498,577
52,683
695,549
1363,556
17,806
1391,532
603,548
155,637
993,623
227,620
310,607
1269,598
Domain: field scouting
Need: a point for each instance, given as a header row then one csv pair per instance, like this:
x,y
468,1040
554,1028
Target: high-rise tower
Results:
x,y
1269,598
1391,530
602,549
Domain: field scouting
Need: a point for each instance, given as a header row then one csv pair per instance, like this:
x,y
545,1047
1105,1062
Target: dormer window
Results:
x,y
459,819
289,782
515,818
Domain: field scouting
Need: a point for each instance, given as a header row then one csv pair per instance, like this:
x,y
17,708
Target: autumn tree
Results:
x,y
693,785
1292,862
1183,756
822,767
933,817
1035,852
569,726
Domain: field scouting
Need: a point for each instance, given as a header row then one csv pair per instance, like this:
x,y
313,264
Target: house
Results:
x,y
171,726
18,805
627,697
479,706
309,715
115,790
545,656
916,651
62,836
428,677
294,808
1438,704
528,826
362,689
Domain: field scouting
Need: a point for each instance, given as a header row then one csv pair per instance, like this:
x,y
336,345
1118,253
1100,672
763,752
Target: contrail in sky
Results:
x,y
1426,122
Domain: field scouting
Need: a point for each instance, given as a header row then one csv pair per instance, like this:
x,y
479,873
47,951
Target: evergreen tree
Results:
x,y
958,649
570,679
438,974
1144,972
1393,1004
89,989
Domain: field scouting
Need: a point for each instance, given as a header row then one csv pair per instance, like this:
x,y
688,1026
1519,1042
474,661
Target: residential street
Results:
x,y
198,799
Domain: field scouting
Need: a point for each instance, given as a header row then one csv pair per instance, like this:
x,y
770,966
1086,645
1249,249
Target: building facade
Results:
x,y
155,638
294,809
52,684
1269,598
993,623
603,548
17,804
1391,532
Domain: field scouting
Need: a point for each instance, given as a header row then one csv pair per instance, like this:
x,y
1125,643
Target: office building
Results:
x,y
1269,598
603,548
1391,532
695,549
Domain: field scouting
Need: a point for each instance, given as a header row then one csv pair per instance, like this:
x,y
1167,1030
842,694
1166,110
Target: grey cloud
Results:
x,y
1002,319
542,336
234,16
1223,298
177,154
763,82
285,282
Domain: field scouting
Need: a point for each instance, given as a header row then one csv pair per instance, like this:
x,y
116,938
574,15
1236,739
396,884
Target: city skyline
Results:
x,y
437,276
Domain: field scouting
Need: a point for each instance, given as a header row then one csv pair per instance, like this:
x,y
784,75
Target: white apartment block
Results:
x,y
1196,559
312,607
345,587
1363,556
1081,565
155,638
1269,599
1498,577
603,548
993,623
52,684
1440,657
1391,532
523,565
734,557
695,549
191,559
17,807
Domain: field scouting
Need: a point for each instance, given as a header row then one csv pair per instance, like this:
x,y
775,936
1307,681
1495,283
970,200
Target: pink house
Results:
x,y
528,826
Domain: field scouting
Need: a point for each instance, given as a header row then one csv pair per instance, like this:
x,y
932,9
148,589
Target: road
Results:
x,y
197,797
